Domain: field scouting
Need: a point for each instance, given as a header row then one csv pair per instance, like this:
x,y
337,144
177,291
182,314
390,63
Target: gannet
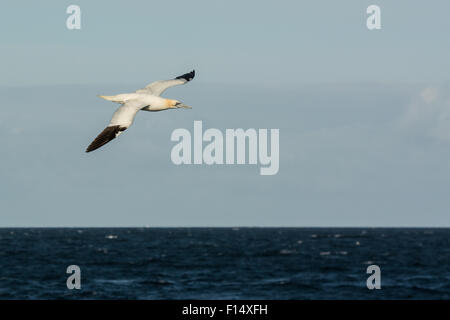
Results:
x,y
147,99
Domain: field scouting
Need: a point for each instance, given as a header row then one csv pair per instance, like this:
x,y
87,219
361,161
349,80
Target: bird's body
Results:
x,y
154,103
147,99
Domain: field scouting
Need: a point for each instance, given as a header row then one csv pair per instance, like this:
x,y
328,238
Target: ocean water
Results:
x,y
224,263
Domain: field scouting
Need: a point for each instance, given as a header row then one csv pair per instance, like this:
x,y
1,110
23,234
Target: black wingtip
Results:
x,y
187,76
104,137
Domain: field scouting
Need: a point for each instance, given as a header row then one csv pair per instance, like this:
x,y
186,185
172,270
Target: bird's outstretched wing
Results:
x,y
158,87
121,120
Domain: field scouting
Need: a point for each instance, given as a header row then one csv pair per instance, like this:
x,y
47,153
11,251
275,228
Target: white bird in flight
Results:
x,y
147,99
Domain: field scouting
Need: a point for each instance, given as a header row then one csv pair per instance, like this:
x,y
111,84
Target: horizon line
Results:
x,y
225,227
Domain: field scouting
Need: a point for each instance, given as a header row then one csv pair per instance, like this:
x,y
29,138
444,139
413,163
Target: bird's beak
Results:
x,y
182,105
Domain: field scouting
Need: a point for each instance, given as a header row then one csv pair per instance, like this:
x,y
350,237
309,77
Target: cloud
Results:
x,y
429,114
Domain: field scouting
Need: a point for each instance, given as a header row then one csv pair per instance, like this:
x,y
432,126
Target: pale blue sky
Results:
x,y
364,116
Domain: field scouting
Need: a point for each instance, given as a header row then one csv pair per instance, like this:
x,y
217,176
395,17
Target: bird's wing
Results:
x,y
121,120
158,87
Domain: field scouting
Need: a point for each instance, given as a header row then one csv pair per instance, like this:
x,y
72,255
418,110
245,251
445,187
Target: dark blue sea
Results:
x,y
224,263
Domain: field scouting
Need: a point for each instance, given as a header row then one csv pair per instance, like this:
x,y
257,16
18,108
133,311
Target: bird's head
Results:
x,y
175,104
